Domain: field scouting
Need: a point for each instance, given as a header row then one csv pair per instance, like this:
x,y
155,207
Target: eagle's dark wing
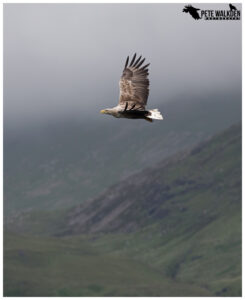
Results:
x,y
134,85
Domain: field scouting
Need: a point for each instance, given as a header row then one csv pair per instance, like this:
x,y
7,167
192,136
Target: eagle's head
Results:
x,y
105,111
110,111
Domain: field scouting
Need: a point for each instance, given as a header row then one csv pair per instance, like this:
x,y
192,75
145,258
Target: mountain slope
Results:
x,y
175,226
61,164
182,217
201,183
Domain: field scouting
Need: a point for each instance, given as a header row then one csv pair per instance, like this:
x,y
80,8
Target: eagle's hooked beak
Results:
x,y
103,111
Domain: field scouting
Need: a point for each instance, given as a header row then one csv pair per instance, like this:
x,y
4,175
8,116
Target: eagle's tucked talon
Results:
x,y
132,107
126,106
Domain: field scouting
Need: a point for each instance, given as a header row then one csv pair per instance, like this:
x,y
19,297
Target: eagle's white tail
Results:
x,y
155,114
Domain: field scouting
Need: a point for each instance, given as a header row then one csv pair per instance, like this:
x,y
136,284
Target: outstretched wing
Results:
x,y
134,85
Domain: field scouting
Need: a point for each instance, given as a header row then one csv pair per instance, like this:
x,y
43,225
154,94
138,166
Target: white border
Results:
x,y
1,127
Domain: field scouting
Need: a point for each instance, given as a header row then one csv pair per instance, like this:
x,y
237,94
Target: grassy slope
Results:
x,y
73,267
185,240
199,239
193,188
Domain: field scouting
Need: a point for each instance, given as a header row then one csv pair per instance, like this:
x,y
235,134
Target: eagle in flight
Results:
x,y
134,91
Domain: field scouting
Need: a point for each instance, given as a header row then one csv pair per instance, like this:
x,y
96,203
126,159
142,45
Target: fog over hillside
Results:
x,y
64,163
65,61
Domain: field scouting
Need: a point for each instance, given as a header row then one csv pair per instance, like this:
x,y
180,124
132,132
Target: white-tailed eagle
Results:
x,y
134,91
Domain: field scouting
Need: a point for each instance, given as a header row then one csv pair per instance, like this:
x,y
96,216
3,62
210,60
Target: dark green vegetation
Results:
x,y
67,162
77,267
170,230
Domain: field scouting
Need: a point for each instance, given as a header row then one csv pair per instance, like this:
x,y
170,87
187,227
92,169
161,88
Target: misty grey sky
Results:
x,y
61,59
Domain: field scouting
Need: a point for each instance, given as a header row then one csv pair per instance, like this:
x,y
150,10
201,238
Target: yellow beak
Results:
x,y
102,111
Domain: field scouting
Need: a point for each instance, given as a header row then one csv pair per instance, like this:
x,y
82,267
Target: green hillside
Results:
x,y
74,267
69,161
170,230
202,183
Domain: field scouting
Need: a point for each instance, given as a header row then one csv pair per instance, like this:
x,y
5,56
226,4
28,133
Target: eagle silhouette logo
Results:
x,y
192,11
232,7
